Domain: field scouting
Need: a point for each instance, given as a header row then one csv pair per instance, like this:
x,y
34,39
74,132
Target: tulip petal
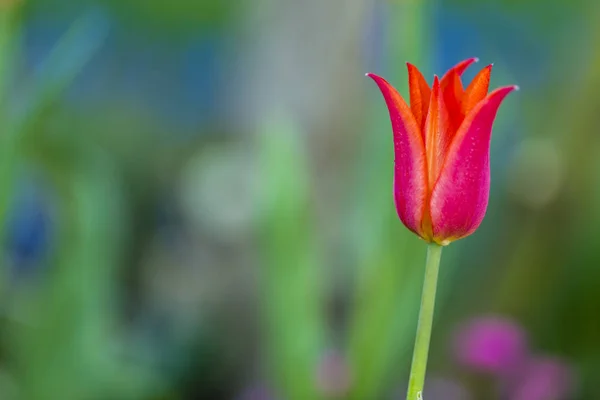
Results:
x,y
410,173
477,89
460,196
459,69
437,138
419,94
453,96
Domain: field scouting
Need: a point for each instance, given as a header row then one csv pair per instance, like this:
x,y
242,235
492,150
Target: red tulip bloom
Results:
x,y
442,151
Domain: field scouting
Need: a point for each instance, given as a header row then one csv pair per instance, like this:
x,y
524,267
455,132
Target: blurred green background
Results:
x,y
195,200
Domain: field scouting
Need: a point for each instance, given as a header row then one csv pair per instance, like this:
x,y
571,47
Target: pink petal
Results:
x,y
460,196
410,173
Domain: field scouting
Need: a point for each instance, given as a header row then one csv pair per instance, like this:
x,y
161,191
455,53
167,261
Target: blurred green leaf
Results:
x,y
292,278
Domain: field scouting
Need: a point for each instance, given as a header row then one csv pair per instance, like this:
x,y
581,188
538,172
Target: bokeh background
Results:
x,y
195,202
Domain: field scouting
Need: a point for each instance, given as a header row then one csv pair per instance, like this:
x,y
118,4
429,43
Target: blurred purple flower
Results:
x,y
491,344
256,391
333,375
545,379
438,388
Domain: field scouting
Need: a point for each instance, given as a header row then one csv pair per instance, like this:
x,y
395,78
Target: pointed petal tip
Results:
x,y
505,90
437,83
466,63
459,68
489,68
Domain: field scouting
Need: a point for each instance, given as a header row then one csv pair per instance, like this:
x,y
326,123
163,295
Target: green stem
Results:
x,y
419,361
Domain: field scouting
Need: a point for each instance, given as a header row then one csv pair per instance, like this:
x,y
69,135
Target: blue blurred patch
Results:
x,y
487,31
29,230
171,78
375,40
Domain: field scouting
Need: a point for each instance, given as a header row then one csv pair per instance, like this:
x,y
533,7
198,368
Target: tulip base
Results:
x,y
421,351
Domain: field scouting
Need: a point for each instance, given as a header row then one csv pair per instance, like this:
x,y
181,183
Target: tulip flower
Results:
x,y
441,172
442,151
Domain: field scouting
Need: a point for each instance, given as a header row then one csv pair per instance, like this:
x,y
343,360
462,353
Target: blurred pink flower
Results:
x,y
333,375
545,379
256,391
438,388
491,344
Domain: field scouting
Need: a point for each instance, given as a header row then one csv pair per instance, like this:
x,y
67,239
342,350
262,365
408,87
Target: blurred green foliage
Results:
x,y
180,16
